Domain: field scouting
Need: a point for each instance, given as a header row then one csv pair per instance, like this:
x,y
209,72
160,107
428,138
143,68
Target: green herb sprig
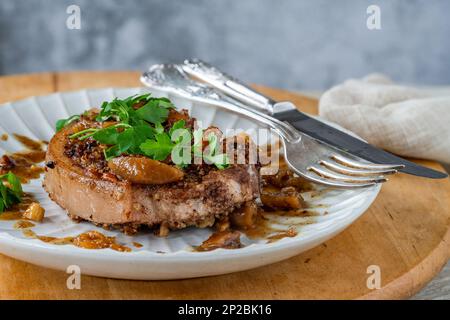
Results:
x,y
65,122
10,191
220,160
140,131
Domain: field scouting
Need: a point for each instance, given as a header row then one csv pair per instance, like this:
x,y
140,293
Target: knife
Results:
x,y
287,111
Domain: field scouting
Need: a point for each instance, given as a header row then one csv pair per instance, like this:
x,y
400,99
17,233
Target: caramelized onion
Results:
x,y
244,218
143,170
221,239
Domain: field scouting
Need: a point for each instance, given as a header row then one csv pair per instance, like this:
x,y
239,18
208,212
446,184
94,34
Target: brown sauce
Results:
x,y
227,237
16,212
53,240
296,213
221,239
262,229
23,166
10,215
97,240
30,156
29,143
87,240
23,224
137,245
291,232
281,197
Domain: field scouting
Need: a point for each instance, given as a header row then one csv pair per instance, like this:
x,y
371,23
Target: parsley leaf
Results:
x,y
116,110
221,161
177,125
159,148
142,133
107,135
128,141
198,143
64,122
139,130
132,100
181,154
14,182
155,111
10,191
125,140
159,128
211,156
112,152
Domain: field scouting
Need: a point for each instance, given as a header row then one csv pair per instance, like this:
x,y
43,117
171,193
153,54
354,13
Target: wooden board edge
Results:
x,y
416,278
402,287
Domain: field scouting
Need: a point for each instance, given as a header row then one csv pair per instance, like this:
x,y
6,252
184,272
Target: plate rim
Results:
x,y
288,243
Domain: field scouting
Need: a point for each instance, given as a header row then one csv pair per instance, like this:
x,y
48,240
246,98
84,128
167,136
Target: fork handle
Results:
x,y
228,85
171,78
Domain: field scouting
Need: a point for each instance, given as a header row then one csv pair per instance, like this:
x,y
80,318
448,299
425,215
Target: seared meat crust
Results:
x,y
80,182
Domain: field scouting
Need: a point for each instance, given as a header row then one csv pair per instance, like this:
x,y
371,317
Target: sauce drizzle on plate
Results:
x,y
24,163
23,224
87,240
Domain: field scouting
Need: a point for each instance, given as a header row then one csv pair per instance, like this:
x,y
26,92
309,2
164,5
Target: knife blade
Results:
x,y
345,142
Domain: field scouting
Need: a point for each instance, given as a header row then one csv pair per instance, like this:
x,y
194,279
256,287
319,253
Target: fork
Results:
x,y
305,156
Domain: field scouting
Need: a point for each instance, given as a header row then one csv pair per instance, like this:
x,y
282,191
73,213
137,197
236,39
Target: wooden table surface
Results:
x,y
405,232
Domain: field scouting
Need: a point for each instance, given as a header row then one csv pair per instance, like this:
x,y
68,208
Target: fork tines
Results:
x,y
341,171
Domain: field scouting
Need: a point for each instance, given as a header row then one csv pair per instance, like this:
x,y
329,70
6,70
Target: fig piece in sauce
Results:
x,y
143,170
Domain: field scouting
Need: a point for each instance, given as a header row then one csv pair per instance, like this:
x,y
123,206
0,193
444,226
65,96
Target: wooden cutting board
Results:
x,y
405,232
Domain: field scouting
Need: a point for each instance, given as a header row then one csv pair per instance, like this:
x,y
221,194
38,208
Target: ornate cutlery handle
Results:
x,y
229,85
171,78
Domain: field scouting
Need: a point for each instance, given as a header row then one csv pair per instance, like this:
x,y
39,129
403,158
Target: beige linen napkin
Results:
x,y
413,122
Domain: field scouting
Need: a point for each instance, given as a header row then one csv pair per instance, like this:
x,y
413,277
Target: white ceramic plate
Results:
x,y
159,258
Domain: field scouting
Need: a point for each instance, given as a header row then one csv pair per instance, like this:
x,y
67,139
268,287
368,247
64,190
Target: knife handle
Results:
x,y
228,85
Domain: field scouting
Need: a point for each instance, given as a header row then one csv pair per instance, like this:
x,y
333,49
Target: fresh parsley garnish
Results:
x,y
135,127
163,143
64,122
212,156
10,191
155,111
159,148
180,124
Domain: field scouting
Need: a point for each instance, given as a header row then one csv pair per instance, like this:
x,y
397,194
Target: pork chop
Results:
x,y
78,179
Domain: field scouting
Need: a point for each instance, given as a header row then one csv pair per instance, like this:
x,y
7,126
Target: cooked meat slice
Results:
x,y
221,239
88,190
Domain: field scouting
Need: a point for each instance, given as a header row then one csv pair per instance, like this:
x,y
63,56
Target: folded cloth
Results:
x,y
412,122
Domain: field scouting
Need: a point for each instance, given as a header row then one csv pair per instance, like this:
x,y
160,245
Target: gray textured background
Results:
x,y
295,44
291,44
